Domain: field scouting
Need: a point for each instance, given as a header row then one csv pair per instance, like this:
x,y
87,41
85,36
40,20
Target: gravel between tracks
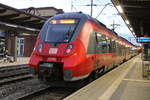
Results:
x,y
22,88
15,90
18,90
53,94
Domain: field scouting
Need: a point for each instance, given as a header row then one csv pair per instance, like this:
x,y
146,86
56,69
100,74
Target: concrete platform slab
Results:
x,y
20,61
132,90
123,83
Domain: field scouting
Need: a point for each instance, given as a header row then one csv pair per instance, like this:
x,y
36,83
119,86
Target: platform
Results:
x,y
20,61
125,82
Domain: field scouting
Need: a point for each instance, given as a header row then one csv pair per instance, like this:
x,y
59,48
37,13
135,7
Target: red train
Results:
x,y
75,46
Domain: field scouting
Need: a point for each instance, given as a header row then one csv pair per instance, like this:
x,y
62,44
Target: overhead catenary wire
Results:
x,y
102,9
72,6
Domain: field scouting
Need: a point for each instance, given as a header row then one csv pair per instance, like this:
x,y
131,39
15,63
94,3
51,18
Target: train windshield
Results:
x,y
60,31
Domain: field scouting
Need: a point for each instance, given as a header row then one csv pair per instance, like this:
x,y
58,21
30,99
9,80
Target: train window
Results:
x,y
117,47
102,43
124,50
113,45
97,37
109,48
120,49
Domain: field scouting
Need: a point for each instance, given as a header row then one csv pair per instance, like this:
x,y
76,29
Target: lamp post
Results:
x,y
91,7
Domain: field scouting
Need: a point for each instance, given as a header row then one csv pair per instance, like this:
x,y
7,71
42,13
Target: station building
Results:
x,y
25,42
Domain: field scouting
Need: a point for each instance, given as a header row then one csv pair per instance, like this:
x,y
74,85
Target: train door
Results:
x,y
97,50
113,51
101,49
98,47
117,51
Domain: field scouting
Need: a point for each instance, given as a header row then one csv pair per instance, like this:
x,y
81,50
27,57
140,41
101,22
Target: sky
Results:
x,y
108,16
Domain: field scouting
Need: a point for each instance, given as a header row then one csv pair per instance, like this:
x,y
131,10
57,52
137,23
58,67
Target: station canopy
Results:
x,y
136,14
13,19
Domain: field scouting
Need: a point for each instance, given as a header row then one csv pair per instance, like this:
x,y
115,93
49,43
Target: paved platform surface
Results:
x,y
20,61
123,83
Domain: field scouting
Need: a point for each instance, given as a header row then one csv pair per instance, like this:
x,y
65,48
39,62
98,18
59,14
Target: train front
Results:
x,y
58,49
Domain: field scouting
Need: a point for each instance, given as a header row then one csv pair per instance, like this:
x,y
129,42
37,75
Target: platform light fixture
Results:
x,y
26,34
133,33
127,21
31,29
131,28
119,8
11,25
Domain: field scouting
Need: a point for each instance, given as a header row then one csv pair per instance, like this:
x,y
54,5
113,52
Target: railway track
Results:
x,y
16,83
32,89
10,71
51,93
11,74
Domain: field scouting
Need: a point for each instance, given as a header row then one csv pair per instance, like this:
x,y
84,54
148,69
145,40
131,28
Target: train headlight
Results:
x,y
40,46
69,48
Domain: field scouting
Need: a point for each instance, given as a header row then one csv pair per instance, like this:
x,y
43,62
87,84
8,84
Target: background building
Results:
x,y
25,42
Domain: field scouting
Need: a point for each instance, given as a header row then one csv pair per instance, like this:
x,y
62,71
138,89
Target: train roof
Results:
x,y
72,15
79,15
85,17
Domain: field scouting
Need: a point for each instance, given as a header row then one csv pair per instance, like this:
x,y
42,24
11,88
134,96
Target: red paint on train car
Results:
x,y
80,57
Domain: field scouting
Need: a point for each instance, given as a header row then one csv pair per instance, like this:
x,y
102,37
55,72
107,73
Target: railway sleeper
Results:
x,y
12,69
13,73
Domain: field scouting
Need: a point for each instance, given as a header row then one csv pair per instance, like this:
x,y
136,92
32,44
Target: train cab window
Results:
x,y
59,31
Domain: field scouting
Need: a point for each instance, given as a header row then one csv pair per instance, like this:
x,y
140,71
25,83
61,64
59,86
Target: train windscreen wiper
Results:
x,y
68,34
